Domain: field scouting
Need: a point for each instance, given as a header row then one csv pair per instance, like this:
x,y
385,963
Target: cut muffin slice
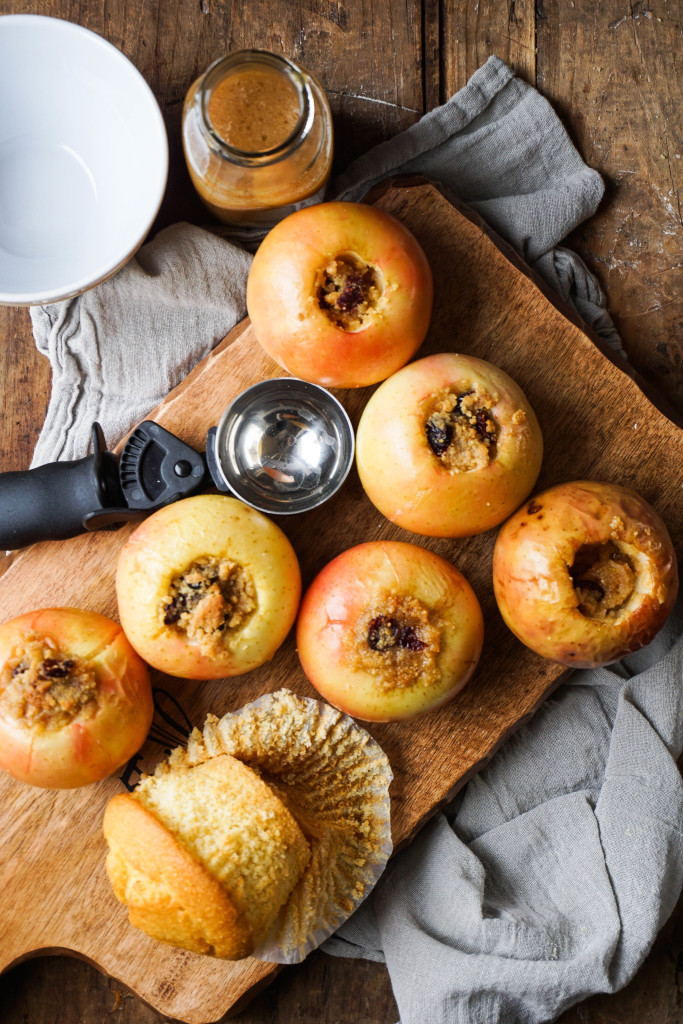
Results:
x,y
204,855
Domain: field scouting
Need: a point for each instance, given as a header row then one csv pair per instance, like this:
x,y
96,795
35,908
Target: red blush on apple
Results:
x,y
389,630
340,294
75,698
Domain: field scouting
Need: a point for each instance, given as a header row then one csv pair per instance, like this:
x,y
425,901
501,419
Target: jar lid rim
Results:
x,y
216,71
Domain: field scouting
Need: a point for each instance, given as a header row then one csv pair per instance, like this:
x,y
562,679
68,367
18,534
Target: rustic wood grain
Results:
x,y
574,38
473,32
622,103
323,989
500,313
25,377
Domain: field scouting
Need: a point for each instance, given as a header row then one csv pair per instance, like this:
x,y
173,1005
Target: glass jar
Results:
x,y
257,135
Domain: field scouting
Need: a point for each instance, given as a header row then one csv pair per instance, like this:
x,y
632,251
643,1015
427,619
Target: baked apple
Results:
x,y
585,573
340,294
448,447
207,587
388,630
75,698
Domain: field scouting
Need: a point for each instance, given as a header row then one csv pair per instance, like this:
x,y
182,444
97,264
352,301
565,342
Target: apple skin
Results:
x,y
285,311
534,589
341,593
409,484
169,541
91,746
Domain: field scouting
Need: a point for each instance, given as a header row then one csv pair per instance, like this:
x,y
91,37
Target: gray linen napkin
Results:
x,y
117,350
548,878
550,875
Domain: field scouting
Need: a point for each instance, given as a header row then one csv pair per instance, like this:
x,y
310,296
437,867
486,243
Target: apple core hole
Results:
x,y
460,428
42,686
210,602
604,579
348,290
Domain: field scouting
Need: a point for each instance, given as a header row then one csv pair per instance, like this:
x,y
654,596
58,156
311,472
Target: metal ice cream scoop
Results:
x,y
282,446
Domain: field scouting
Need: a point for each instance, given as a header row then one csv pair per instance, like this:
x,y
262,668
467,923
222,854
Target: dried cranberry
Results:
x,y
51,668
383,633
174,610
409,640
439,437
351,294
458,410
482,426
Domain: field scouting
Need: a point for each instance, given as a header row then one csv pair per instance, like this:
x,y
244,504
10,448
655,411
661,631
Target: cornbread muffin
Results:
x,y
204,855
334,778
262,837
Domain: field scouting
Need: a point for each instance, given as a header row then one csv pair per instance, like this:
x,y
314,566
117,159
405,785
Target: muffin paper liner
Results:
x,y
334,778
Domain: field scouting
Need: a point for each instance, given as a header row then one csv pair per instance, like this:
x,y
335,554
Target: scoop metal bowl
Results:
x,y
284,446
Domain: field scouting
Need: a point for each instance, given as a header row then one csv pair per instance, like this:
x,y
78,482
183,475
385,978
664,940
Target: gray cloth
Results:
x,y
499,146
549,877
118,349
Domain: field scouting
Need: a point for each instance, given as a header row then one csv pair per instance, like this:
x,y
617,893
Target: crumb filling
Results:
x,y
210,602
396,642
604,580
41,685
348,291
460,428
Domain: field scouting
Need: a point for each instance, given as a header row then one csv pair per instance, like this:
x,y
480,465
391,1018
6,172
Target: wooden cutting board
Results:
x,y
597,423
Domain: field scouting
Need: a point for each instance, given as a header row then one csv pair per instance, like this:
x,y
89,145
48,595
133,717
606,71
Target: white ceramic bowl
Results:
x,y
83,159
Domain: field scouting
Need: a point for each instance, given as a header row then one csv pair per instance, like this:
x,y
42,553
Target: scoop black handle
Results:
x,y
62,499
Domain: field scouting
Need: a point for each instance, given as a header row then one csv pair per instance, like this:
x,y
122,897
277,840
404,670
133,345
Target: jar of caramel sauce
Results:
x,y
257,135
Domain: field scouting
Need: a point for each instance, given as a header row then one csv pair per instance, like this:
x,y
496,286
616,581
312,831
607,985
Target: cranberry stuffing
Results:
x,y
384,633
51,668
439,437
409,640
483,428
351,294
174,609
591,585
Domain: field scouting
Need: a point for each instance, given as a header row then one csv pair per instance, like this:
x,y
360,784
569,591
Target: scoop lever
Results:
x,y
62,499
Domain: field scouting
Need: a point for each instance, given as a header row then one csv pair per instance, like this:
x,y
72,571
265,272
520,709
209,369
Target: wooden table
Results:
x,y
612,70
